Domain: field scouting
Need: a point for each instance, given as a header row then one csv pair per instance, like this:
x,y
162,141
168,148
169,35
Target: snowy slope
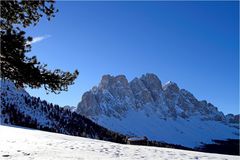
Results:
x,y
19,108
145,107
21,143
189,133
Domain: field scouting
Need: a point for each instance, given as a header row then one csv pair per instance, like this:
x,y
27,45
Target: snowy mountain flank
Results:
x,y
17,107
145,107
21,143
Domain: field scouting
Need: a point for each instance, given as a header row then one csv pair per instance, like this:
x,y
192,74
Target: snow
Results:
x,y
143,107
21,143
15,95
167,84
190,132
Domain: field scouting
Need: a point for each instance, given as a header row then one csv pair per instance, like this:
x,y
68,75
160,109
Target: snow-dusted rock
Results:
x,y
145,107
141,94
113,97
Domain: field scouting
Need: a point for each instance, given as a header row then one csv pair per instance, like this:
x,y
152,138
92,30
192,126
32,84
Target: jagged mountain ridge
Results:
x,y
145,107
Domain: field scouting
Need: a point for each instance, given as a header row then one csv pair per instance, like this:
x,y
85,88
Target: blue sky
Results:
x,y
194,44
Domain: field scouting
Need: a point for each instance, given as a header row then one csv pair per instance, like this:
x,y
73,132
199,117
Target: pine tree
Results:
x,y
15,65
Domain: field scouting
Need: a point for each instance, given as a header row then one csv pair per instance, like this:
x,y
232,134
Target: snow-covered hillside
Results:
x,y
21,143
19,108
189,133
145,107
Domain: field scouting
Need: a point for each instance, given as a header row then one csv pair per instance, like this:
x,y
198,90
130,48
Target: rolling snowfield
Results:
x,y
21,143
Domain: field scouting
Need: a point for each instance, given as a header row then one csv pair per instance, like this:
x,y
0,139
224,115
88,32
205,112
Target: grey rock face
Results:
x,y
115,96
153,84
89,104
112,97
141,94
233,118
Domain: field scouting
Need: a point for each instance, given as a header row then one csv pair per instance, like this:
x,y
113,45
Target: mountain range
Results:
x,y
117,109
145,107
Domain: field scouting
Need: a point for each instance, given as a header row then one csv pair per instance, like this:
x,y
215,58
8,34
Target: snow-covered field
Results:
x,y
19,143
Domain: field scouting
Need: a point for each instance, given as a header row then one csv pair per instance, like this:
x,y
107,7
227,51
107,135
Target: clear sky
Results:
x,y
194,44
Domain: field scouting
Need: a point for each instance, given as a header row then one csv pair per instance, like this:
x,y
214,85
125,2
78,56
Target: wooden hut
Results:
x,y
137,140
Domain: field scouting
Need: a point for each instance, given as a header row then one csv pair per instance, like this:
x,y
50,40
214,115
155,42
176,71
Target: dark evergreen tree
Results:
x,y
15,65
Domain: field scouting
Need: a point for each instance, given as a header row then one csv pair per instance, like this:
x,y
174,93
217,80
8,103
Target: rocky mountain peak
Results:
x,y
121,78
144,107
115,96
106,81
131,108
142,94
109,81
172,86
151,81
